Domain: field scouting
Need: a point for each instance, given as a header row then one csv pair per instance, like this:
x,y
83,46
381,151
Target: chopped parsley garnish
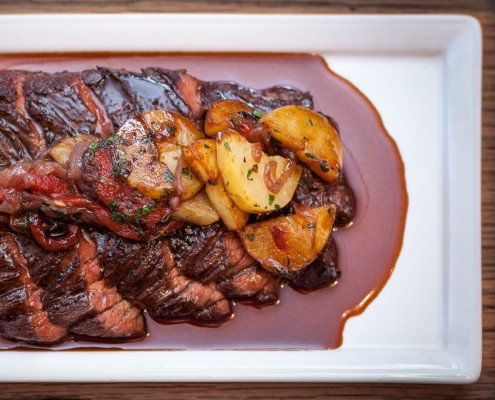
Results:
x,y
25,222
324,166
185,171
227,146
166,192
113,206
249,172
206,146
120,217
93,146
250,236
331,211
256,205
277,207
258,113
271,197
171,130
310,155
310,122
169,176
145,210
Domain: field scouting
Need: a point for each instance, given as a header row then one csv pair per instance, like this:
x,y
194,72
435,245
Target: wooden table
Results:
x,y
484,10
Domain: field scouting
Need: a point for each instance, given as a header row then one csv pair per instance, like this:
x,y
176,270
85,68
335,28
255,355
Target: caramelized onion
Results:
x,y
41,234
273,184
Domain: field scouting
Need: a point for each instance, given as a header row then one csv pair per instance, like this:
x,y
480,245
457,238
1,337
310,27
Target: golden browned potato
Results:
x,y
151,144
287,244
232,216
227,114
201,156
197,210
314,140
257,183
171,127
170,155
61,151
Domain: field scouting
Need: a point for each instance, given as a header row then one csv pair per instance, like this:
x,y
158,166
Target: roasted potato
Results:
x,y
257,183
227,114
232,216
170,155
201,156
197,210
287,244
62,150
311,136
171,127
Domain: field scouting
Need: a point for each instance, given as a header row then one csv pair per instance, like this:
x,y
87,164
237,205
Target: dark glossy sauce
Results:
x,y
367,251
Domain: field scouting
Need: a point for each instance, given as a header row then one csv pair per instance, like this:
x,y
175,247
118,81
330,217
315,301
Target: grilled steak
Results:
x,y
22,315
71,263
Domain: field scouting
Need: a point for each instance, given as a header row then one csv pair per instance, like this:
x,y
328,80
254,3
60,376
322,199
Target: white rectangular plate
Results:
x,y
423,74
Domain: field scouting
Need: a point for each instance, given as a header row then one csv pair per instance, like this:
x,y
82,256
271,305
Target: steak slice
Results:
x,y
264,99
147,275
75,291
314,192
22,316
214,254
19,137
54,102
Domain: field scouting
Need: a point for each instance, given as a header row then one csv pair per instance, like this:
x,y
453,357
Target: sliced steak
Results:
x,y
214,254
265,99
54,102
148,276
314,192
22,316
19,136
75,291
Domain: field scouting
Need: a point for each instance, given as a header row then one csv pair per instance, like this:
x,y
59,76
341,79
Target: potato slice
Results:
x,y
232,216
171,127
257,183
201,155
170,155
227,114
287,244
197,210
311,136
61,151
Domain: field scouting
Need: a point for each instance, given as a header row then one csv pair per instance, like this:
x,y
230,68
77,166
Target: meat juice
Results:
x,y
367,250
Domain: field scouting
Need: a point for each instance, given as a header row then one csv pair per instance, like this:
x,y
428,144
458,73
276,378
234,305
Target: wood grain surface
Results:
x,y
484,10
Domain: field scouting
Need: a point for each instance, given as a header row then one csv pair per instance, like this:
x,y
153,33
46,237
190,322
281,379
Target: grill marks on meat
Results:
x,y
22,316
214,254
19,136
54,102
126,94
266,99
75,294
312,191
37,108
148,275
